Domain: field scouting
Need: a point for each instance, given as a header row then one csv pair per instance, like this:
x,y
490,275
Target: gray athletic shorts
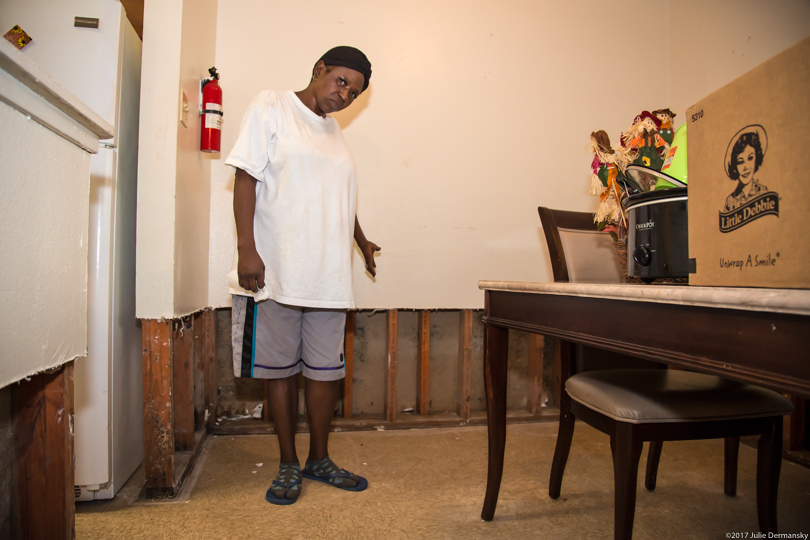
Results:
x,y
274,341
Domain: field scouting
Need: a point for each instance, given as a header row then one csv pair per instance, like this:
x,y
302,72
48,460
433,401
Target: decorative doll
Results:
x,y
644,143
608,165
665,116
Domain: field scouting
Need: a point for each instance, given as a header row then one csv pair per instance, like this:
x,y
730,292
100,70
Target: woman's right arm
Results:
x,y
250,266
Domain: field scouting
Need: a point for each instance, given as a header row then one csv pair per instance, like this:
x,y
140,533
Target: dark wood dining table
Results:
x,y
754,335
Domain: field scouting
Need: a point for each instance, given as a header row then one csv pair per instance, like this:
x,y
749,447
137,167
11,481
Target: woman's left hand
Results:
x,y
368,250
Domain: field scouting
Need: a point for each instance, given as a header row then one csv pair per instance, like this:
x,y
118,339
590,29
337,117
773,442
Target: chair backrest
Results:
x,y
578,251
581,253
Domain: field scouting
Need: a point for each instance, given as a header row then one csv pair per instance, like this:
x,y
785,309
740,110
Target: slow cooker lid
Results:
x,y
654,197
647,176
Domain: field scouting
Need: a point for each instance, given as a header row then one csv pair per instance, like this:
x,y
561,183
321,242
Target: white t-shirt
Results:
x,y
305,200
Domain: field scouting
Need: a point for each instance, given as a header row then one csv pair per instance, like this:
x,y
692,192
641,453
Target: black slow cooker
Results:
x,y
657,234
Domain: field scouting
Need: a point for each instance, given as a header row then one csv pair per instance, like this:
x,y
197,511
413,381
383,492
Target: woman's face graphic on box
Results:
x,y
746,164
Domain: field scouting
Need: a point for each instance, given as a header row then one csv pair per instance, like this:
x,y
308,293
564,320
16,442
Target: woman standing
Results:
x,y
294,206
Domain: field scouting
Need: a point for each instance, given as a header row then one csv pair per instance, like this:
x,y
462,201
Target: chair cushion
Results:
x,y
662,395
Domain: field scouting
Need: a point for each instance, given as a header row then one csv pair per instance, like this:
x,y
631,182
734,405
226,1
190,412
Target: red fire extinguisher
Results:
x,y
211,121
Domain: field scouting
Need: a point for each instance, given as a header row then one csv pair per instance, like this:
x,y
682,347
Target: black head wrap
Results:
x,y
351,58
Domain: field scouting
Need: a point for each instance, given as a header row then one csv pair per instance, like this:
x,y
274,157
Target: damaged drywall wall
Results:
x,y
238,398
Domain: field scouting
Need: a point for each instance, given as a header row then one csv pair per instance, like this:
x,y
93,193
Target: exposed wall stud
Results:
x,y
210,367
464,363
158,409
391,372
183,386
423,366
43,448
534,398
199,369
266,406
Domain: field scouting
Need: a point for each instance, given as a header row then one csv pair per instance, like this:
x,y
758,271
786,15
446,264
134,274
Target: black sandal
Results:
x,y
289,476
327,472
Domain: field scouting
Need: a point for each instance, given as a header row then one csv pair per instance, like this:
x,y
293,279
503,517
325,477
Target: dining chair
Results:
x,y
634,405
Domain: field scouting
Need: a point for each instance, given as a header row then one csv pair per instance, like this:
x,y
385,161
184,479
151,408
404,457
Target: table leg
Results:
x,y
496,341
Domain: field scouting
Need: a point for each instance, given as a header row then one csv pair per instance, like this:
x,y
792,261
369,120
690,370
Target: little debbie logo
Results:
x,y
750,199
763,205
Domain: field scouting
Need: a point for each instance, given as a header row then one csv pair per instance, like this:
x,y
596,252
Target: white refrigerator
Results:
x,y
101,66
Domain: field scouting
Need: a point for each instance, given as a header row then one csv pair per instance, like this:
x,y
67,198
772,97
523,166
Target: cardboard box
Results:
x,y
749,177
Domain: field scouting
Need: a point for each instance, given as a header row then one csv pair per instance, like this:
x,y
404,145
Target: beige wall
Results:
x,y
713,43
157,160
478,112
173,176
192,205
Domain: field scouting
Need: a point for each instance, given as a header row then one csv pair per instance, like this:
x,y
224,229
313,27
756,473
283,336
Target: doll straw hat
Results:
x,y
651,116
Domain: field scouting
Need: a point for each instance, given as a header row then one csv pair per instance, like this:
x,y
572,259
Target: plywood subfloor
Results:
x,y
429,483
